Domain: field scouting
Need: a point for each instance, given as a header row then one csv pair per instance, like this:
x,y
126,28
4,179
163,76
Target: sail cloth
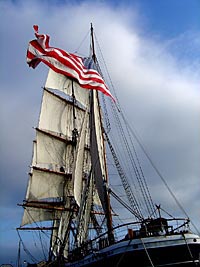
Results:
x,y
64,63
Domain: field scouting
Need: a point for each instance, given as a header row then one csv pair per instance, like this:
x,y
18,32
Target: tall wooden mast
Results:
x,y
106,195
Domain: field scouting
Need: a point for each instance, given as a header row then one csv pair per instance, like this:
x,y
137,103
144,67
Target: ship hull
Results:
x,y
169,251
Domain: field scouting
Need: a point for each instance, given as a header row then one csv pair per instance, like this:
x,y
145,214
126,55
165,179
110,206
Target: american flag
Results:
x,y
64,63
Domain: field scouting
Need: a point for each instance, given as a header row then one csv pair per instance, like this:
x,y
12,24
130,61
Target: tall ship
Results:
x,y
87,194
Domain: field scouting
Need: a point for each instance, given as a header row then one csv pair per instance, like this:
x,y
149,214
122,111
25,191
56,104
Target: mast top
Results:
x,y
92,43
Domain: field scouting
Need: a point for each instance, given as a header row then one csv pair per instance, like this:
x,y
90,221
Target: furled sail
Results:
x,y
79,161
83,218
59,238
97,149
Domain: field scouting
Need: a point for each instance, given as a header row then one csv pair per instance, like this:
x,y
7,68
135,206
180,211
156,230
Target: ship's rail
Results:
x,y
132,230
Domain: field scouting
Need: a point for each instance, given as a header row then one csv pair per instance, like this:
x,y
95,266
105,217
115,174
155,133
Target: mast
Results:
x,y
92,43
108,214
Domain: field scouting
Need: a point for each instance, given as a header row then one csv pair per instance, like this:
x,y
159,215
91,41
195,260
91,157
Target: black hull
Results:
x,y
159,252
138,259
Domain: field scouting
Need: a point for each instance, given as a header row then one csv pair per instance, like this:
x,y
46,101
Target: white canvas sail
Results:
x,y
32,215
57,114
45,184
56,157
63,84
34,158
51,151
62,160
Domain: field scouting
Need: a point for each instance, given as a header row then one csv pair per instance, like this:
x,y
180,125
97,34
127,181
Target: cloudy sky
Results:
x,y
152,51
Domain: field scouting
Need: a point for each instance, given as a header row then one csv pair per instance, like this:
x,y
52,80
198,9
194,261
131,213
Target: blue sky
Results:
x,y
156,50
169,18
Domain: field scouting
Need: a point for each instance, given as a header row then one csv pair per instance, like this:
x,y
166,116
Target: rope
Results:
x,y
127,188
134,161
141,178
122,256
81,43
42,246
140,144
25,249
161,177
188,248
147,253
150,207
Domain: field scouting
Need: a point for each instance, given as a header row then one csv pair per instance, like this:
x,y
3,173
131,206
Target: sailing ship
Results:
x,y
70,196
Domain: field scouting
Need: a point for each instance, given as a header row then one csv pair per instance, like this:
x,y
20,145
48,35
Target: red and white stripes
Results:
x,y
64,63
